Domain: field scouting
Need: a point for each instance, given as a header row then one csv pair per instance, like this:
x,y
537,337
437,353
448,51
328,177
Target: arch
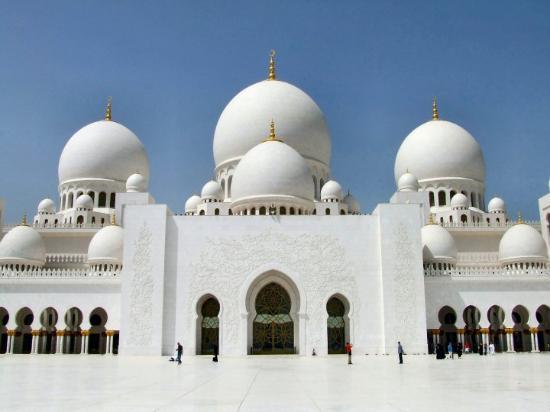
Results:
x,y
70,200
472,329
252,211
23,331
262,210
521,334
453,192
432,198
463,218
497,332
112,200
447,329
543,329
201,213
72,339
441,198
282,210
97,339
327,211
80,220
338,328
208,325
4,318
291,211
47,341
102,199
281,319
216,211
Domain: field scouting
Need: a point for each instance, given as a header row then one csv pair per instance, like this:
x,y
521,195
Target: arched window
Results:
x,y
282,210
70,201
292,211
102,200
336,326
463,218
201,213
262,210
342,212
441,197
451,219
327,211
112,201
432,198
453,192
209,326
253,211
80,220
93,220
216,211
441,220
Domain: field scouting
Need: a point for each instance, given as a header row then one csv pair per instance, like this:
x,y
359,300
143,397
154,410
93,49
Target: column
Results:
x,y
84,339
59,342
35,337
534,347
509,339
11,340
109,334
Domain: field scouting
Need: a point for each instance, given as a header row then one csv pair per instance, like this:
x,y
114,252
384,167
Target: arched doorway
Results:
x,y
4,318
447,329
23,331
497,333
97,339
48,332
472,329
337,327
209,323
543,334
273,327
72,339
522,335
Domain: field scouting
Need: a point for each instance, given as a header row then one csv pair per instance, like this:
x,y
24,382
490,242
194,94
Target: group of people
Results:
x,y
349,346
457,348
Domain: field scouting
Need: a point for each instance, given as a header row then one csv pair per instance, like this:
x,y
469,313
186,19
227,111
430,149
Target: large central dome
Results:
x,y
242,124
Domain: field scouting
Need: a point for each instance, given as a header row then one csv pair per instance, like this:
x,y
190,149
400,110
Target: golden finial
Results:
x,y
108,115
113,219
24,220
271,75
272,136
520,219
435,113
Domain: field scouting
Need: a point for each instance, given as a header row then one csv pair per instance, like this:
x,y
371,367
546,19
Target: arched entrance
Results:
x,y
273,327
543,334
48,335
497,333
23,332
72,339
4,318
472,330
337,325
522,336
97,340
209,323
447,330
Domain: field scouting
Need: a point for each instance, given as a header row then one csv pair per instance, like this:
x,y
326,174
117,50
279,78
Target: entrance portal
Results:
x,y
273,328
336,326
210,326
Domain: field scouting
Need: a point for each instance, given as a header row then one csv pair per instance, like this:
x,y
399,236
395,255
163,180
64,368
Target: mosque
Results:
x,y
273,257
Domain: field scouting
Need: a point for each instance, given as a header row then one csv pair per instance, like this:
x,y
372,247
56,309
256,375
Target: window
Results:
x,y
327,211
112,201
282,210
292,211
262,210
102,201
441,197
216,212
432,199
70,202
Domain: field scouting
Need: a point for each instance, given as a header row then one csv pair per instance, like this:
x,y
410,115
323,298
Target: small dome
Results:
x,y
241,125
106,246
332,190
84,202
103,150
46,206
408,183
24,246
212,190
439,149
522,244
438,245
496,205
192,203
136,183
271,170
353,205
460,202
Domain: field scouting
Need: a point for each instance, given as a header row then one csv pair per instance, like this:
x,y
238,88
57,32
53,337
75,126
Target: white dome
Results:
x,y
438,245
332,190
192,203
272,169
439,149
522,244
107,246
24,246
84,202
212,190
136,183
496,205
242,124
353,204
46,206
460,201
408,183
103,150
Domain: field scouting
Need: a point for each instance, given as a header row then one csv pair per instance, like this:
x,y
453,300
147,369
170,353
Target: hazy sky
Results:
x,y
372,67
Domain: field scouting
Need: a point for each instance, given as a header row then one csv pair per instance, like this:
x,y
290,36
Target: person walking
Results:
x,y
450,350
348,351
215,358
400,352
180,351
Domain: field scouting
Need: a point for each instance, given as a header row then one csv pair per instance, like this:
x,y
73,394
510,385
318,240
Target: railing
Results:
x,y
485,271
485,225
10,226
57,258
49,273
466,258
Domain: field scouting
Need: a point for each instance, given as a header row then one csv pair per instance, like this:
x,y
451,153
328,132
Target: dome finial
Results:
x,y
520,219
272,136
271,75
24,220
108,115
435,112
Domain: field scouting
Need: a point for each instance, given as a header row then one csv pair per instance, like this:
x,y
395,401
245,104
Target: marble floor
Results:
x,y
506,382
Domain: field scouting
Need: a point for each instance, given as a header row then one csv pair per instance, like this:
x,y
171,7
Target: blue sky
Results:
x,y
373,67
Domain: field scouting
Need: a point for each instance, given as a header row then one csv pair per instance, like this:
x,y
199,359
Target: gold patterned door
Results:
x,y
273,328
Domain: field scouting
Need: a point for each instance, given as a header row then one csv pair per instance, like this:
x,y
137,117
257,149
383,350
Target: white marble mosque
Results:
x,y
273,256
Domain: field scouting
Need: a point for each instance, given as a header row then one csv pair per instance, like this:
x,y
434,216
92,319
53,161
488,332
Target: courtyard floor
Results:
x,y
506,382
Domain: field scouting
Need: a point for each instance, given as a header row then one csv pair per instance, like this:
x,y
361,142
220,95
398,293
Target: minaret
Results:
x,y
271,75
108,115
435,113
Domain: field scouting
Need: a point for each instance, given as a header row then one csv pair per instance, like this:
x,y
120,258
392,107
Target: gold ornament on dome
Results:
x,y
108,114
272,136
271,75
435,112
